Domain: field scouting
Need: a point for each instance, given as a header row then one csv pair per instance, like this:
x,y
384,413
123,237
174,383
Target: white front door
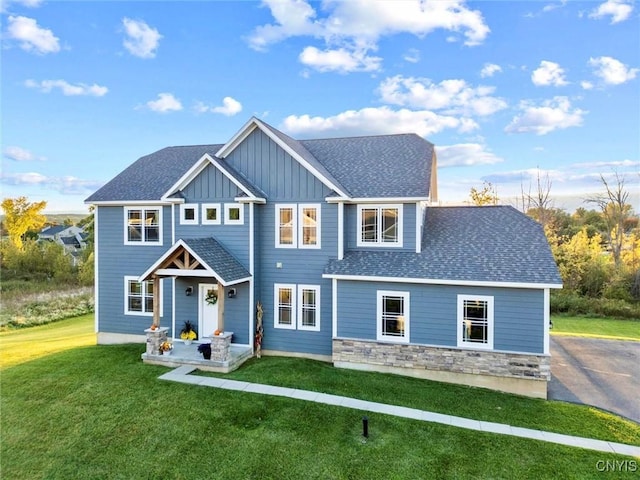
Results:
x,y
207,312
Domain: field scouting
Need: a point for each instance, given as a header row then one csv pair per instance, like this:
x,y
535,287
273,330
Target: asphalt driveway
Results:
x,y
598,372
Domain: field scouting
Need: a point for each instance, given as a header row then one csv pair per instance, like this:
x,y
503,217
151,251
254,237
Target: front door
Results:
x,y
207,309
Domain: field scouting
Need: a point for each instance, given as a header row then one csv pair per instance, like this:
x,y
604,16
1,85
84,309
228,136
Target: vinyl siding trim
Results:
x,y
435,281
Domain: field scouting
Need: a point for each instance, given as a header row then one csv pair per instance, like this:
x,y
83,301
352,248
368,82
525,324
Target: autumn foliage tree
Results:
x,y
487,195
22,216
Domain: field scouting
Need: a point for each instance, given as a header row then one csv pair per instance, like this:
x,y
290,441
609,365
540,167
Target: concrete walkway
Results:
x,y
181,375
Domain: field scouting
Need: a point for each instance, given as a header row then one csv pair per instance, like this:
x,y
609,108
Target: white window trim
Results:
x,y
276,305
134,278
316,289
185,206
490,322
379,243
407,316
294,226
318,210
143,209
227,210
204,220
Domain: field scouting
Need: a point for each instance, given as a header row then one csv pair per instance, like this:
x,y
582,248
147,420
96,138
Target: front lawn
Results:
x,y
98,412
601,327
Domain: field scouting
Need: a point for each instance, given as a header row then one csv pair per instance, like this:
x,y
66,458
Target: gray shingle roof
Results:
x,y
377,166
218,259
151,176
478,244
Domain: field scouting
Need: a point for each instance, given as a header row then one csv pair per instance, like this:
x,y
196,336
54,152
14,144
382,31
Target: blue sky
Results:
x,y
506,90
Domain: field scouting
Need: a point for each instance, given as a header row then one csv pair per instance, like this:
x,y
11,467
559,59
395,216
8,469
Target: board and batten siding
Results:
x,y
117,260
408,229
274,171
518,313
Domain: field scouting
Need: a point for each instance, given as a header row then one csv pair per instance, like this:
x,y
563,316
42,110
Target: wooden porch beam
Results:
x,y
156,300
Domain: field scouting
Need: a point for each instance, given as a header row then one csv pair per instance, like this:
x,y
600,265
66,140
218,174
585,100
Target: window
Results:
x,y
309,307
188,214
379,225
211,214
144,225
233,214
285,306
286,226
475,321
298,226
309,232
138,297
297,306
393,316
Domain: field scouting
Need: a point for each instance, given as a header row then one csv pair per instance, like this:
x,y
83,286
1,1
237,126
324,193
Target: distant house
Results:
x,y
342,243
71,238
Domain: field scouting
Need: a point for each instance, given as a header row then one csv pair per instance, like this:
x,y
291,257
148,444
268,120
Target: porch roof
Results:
x,y
202,257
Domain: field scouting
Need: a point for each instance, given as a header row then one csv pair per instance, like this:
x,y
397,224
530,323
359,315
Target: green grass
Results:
x,y
71,409
26,344
596,327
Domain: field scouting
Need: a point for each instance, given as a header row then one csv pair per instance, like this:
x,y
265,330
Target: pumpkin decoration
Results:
x,y
153,327
217,332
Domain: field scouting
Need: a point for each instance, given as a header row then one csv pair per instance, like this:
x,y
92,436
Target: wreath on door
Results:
x,y
212,297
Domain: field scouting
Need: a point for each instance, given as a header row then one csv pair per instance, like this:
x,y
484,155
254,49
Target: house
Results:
x,y
341,243
71,237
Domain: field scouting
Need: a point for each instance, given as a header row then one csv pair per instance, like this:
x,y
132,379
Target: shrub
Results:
x,y
573,304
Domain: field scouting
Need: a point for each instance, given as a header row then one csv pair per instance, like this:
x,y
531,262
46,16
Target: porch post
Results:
x,y
156,300
221,297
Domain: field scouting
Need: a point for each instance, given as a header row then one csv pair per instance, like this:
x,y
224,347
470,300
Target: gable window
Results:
x,y
297,306
138,297
379,225
308,307
393,316
285,306
475,321
233,214
298,226
143,225
211,214
188,214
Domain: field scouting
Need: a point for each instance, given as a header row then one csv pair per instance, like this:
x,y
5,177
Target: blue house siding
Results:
x,y
274,171
518,313
117,260
210,185
408,229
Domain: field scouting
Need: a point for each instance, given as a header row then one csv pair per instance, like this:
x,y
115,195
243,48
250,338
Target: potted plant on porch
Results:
x,y
188,334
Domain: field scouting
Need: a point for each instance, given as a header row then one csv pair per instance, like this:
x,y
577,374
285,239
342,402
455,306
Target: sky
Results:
x,y
507,91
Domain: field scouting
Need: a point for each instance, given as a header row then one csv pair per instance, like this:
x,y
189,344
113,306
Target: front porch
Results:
x,y
188,355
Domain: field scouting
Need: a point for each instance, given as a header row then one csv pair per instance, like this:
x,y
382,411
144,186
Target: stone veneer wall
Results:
x,y
451,360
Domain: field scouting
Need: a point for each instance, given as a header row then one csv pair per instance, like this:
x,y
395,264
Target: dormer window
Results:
x,y
379,226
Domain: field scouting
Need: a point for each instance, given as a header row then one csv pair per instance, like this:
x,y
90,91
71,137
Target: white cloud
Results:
x,y
548,73
230,106
607,164
351,29
339,60
166,102
20,154
32,37
619,10
68,89
586,85
142,40
489,70
612,71
412,55
466,154
451,96
371,121
552,115
67,185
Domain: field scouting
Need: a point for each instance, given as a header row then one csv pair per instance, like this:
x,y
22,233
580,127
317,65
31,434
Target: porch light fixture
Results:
x,y
188,291
232,293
